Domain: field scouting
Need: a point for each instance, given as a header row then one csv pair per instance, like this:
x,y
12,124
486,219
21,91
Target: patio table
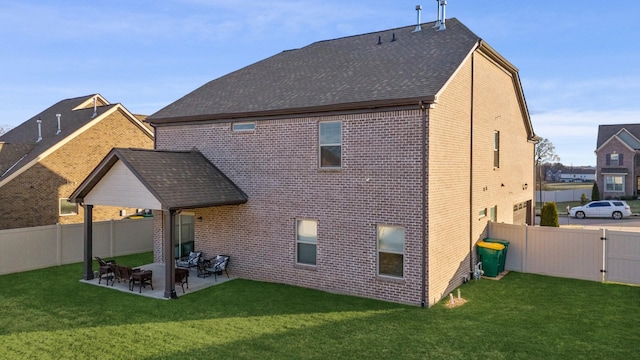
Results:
x,y
143,278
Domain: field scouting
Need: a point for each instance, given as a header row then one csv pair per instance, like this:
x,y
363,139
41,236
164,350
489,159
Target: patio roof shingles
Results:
x,y
178,179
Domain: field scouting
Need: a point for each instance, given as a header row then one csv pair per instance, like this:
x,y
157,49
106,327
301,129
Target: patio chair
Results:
x,y
189,261
122,273
182,277
218,265
105,269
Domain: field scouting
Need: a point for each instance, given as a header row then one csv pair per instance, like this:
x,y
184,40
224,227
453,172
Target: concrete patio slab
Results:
x,y
195,283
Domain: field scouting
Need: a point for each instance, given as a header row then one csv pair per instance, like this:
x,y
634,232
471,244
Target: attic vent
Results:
x,y
440,22
418,10
39,121
59,128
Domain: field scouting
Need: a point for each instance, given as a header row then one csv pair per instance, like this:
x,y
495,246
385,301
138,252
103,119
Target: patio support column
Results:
x,y
88,242
169,260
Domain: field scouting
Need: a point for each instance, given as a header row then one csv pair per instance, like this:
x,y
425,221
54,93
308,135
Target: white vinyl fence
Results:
x,y
44,246
562,195
597,255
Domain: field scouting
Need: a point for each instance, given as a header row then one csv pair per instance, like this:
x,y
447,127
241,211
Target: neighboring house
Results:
x,y
578,174
618,160
552,176
45,158
366,165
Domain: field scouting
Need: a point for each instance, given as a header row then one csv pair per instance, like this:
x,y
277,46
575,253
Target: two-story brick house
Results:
x,y
46,157
618,160
371,163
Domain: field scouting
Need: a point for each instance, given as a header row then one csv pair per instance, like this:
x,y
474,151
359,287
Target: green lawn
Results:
x,y
49,314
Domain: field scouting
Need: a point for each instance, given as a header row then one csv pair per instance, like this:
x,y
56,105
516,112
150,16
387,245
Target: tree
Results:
x,y
549,215
595,193
4,129
545,153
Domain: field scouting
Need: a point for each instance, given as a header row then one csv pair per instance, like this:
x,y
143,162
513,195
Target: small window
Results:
x,y
482,213
615,159
244,126
494,214
67,207
331,144
496,149
306,241
391,250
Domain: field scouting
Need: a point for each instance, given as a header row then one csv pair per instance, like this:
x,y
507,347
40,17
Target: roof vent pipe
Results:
x,y
418,10
440,22
39,121
95,106
59,128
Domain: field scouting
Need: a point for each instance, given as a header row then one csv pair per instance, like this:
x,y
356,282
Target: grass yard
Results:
x,y
49,314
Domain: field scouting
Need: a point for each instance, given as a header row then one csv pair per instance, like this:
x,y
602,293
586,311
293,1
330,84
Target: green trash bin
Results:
x,y
503,260
490,254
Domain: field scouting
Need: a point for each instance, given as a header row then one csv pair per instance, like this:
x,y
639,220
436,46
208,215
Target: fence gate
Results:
x,y
622,257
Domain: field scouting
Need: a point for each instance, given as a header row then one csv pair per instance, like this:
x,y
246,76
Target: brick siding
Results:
x,y
616,146
379,183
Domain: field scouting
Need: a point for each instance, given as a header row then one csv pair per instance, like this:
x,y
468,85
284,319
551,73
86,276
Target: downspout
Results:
x,y
424,204
471,267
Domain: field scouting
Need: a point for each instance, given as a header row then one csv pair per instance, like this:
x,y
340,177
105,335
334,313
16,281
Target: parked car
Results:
x,y
606,208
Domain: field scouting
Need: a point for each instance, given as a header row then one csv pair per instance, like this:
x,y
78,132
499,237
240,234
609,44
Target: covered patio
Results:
x,y
195,283
165,181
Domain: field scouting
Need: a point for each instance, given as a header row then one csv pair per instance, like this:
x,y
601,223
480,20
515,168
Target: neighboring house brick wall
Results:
x,y
628,162
277,166
31,199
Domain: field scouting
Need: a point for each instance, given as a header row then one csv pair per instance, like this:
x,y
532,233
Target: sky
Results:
x,y
578,59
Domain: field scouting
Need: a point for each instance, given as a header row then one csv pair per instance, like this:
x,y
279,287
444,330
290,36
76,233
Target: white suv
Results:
x,y
606,208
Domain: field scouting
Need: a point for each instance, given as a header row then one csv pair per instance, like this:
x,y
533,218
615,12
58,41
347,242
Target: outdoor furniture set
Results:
x,y
116,272
204,267
109,270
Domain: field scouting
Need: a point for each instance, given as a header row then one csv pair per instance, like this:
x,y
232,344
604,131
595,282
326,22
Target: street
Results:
x,y
631,223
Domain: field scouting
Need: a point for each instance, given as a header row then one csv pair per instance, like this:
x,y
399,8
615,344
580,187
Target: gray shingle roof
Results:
x,y
24,136
605,132
349,72
178,179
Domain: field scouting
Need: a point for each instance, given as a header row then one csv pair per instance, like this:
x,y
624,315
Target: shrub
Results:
x,y
595,193
583,199
549,215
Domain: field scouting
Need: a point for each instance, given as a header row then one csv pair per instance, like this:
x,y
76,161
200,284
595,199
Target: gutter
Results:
x,y
364,105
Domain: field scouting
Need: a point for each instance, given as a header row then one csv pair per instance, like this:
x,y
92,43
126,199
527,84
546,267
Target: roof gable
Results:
x,y
605,132
75,118
397,66
175,179
629,139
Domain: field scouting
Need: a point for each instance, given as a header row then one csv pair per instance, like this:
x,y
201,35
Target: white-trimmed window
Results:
x,y
306,241
330,144
482,213
614,183
391,250
244,126
493,213
67,208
